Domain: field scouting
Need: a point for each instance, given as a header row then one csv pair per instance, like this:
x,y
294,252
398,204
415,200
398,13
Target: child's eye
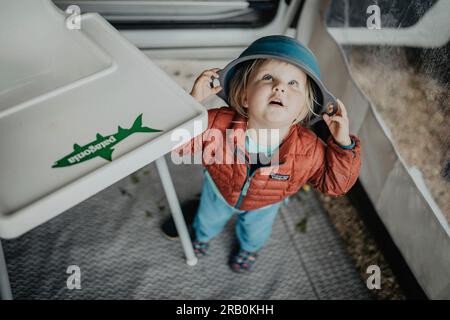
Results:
x,y
294,82
267,77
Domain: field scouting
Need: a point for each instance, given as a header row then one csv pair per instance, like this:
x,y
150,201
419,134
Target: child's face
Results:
x,y
276,80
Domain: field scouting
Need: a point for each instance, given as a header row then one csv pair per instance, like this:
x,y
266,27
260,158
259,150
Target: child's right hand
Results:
x,y
202,86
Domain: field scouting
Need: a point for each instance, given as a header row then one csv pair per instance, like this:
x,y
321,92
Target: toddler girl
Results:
x,y
272,89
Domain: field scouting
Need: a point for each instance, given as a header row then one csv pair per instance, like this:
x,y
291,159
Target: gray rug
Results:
x,y
115,239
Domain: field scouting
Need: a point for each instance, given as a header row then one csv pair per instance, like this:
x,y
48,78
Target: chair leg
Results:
x,y
5,288
177,215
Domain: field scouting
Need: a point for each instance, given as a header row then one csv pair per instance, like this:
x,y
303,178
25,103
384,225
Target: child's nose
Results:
x,y
279,86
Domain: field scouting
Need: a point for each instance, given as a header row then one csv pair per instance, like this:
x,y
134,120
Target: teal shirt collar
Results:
x,y
252,147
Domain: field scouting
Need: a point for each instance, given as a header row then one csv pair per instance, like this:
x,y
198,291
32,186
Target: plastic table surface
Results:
x,y
79,110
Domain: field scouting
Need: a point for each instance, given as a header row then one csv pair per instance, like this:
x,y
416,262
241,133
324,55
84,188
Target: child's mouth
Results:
x,y
276,103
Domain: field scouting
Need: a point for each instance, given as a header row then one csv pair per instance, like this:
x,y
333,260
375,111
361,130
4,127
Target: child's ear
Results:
x,y
244,103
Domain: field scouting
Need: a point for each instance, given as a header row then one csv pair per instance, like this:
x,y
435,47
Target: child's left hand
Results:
x,y
339,125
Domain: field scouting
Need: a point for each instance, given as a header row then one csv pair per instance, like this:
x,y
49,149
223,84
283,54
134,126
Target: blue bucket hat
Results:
x,y
286,49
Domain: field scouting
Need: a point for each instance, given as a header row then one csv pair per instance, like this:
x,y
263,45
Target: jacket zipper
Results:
x,y
246,185
244,190
248,179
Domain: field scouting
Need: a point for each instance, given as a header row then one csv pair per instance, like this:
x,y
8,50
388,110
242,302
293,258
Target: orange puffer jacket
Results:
x,y
302,158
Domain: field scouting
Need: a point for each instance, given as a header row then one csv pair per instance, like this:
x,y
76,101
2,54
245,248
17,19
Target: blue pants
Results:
x,y
253,228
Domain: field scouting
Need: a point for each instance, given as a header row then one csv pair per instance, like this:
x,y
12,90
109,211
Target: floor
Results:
x,y
115,239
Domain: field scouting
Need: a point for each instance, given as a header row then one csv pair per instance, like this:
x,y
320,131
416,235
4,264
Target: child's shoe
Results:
x,y
200,248
243,261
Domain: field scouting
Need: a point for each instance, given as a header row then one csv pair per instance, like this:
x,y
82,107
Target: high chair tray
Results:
x,y
79,110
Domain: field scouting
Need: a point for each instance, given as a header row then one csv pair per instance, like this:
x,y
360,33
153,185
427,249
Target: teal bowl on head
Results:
x,y
286,49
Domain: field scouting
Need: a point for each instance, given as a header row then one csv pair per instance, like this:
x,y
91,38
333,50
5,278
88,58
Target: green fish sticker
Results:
x,y
102,146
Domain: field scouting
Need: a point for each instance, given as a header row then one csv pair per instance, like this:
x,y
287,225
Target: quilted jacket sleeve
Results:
x,y
195,144
335,170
